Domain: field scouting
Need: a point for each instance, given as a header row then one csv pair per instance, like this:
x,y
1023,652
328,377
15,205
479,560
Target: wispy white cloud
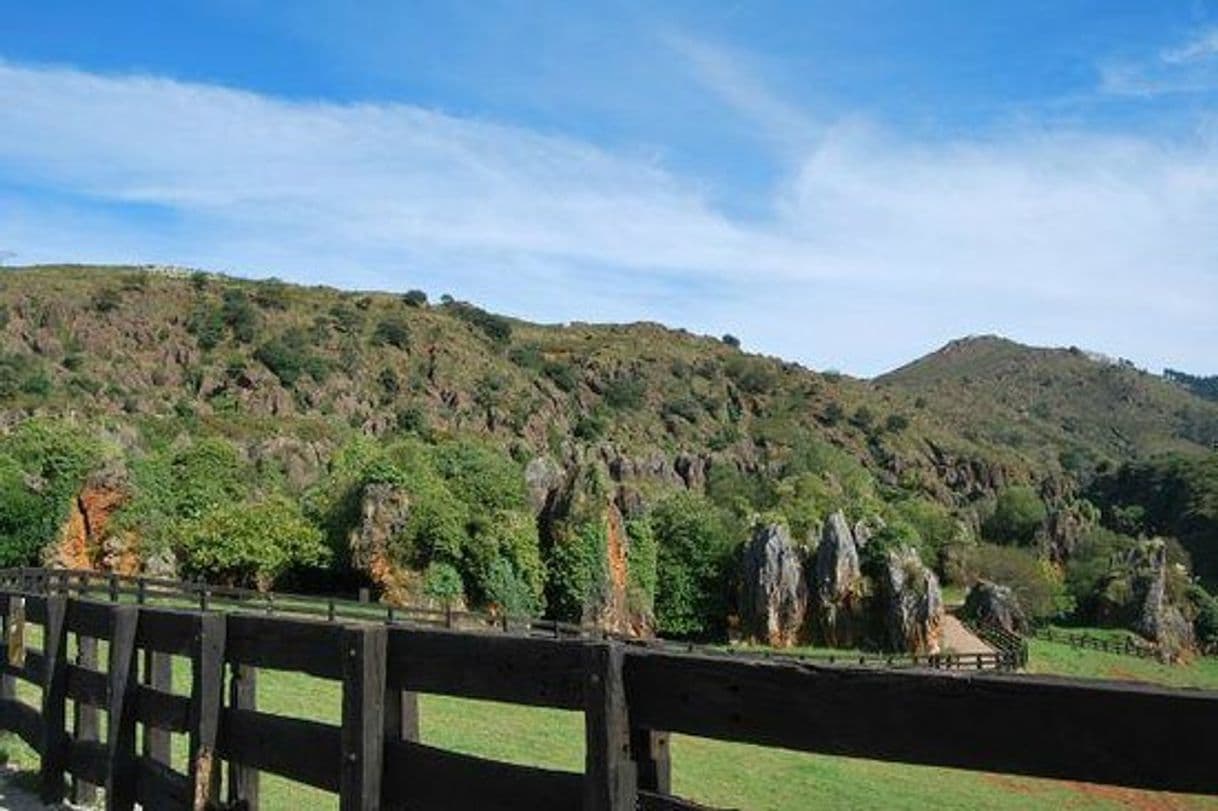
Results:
x,y
1188,67
725,74
1202,47
878,247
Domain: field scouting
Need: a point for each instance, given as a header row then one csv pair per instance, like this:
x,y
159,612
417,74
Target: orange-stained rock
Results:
x,y
79,544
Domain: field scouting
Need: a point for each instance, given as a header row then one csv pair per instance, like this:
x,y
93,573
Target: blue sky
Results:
x,y
844,184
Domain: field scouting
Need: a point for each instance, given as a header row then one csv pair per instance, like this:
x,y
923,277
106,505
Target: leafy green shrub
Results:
x,y
753,375
43,464
625,393
250,543
527,356
578,571
896,423
22,374
693,554
411,419
495,327
561,374
392,330
289,357
641,562
414,298
731,340
346,319
591,426
442,583
1039,587
239,315
271,294
1018,515
206,323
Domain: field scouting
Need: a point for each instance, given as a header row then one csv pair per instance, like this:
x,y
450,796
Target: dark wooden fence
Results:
x,y
1128,645
631,699
146,590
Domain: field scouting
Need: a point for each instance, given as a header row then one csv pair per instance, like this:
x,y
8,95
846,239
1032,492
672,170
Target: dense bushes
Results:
x,y
249,543
1018,514
1037,584
291,357
43,464
694,556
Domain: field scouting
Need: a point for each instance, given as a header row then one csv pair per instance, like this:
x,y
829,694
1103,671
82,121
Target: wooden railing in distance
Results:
x,y
631,699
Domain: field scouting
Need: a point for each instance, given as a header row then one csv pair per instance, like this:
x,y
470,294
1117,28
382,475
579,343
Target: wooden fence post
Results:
x,y
651,759
243,780
54,748
158,674
206,700
363,730
8,684
120,734
84,718
610,781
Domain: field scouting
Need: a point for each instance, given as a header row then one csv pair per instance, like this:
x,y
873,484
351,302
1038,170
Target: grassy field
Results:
x,y
716,773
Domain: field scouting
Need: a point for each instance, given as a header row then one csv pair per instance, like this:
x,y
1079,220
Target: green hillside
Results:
x,y
266,433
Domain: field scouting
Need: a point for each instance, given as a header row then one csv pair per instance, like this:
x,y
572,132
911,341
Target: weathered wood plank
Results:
x,y
423,778
653,801
54,702
280,643
88,761
160,712
120,744
306,751
89,619
23,720
88,687
523,670
167,630
160,787
609,773
363,719
88,690
206,702
652,759
242,779
1017,725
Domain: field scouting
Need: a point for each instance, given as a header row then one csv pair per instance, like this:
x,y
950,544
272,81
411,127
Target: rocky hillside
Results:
x,y
252,431
1067,406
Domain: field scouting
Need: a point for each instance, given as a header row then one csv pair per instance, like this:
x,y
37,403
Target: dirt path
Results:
x,y
959,639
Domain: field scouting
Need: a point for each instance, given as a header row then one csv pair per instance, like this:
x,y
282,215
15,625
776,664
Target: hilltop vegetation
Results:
x,y
260,432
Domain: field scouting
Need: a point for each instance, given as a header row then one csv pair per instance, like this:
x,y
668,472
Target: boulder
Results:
x,y
838,586
912,604
991,604
774,594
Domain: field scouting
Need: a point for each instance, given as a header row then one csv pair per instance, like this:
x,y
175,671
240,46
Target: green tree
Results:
x,y
250,543
693,552
1018,515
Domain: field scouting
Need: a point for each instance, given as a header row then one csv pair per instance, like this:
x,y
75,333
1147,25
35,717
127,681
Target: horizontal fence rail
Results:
x,y
632,697
145,590
1127,646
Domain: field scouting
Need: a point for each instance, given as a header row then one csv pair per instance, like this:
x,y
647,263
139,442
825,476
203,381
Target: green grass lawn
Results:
x,y
724,774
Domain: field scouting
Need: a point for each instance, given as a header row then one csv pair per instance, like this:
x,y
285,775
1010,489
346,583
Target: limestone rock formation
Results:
x,y
1065,529
774,596
991,604
384,511
838,585
912,604
542,476
1158,619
